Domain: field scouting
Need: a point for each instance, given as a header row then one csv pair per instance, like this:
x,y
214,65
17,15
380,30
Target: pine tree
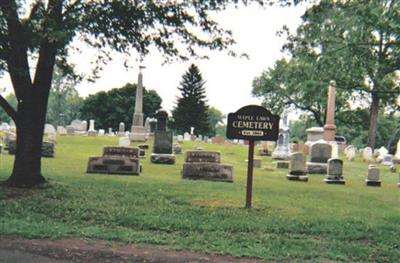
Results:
x,y
191,109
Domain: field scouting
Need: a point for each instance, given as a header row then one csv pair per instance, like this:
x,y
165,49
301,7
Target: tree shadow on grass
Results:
x,y
9,192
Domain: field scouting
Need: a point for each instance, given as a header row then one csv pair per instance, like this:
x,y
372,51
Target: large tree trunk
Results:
x,y
373,120
27,164
33,94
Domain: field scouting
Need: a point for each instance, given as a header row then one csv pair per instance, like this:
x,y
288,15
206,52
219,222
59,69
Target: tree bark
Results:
x,y
32,95
27,164
373,120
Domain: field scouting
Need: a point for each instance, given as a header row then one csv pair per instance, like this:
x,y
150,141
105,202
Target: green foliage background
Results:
x,y
117,105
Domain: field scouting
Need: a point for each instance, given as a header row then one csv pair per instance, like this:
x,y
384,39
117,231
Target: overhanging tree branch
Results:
x,y
16,57
48,47
8,109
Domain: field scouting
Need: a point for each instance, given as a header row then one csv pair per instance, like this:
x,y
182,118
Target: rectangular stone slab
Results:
x,y
321,152
207,171
317,168
113,165
162,142
121,151
202,157
162,158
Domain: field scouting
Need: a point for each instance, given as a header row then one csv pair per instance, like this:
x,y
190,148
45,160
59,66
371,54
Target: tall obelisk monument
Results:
x,y
330,127
138,131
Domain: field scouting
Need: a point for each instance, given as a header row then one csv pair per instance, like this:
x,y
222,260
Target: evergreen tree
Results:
x,y
191,109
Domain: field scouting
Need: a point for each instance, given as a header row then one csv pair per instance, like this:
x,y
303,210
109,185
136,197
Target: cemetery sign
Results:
x,y
253,123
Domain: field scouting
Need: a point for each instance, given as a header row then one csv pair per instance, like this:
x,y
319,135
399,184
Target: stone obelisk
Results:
x,y
330,128
138,131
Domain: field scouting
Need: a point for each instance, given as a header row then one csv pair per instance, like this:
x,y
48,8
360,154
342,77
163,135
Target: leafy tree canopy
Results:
x,y
64,101
355,43
12,100
36,35
215,118
117,105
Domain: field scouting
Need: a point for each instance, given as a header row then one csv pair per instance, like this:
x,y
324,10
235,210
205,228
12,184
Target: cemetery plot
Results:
x,y
206,165
116,160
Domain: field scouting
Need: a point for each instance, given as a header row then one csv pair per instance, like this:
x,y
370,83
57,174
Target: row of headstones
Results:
x,y
334,175
380,155
218,139
199,165
78,127
125,160
9,139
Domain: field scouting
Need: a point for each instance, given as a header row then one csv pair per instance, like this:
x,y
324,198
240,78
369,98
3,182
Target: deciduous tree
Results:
x,y
117,105
38,34
355,43
64,101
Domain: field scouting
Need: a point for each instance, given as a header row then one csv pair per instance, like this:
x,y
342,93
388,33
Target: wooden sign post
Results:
x,y
252,123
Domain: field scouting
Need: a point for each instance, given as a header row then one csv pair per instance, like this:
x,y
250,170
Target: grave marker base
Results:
x,y
373,183
316,168
335,181
298,178
162,158
282,165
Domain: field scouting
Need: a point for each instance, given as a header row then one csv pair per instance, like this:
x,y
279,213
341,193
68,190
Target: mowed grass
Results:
x,y
291,221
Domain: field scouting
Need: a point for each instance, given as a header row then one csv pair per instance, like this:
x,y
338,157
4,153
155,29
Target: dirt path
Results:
x,y
15,249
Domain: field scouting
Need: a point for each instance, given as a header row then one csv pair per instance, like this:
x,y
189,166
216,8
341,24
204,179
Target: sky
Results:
x,y
228,80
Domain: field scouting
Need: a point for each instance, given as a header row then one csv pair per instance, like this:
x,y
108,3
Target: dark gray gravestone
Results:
x,y
335,172
162,142
321,152
153,126
207,171
116,160
162,148
202,157
205,165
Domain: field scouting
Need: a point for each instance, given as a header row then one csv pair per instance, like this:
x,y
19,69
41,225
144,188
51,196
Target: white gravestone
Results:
x,y
91,131
397,154
367,154
350,152
282,150
49,129
121,129
387,160
335,150
179,138
382,152
124,142
186,136
61,130
5,126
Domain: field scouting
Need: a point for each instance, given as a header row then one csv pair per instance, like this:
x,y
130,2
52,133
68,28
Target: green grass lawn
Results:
x,y
290,220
